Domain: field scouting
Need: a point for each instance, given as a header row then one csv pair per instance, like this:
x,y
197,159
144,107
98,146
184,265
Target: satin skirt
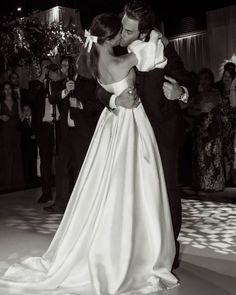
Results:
x,y
116,235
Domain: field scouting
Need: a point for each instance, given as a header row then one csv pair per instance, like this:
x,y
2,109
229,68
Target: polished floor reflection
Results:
x,y
208,241
208,225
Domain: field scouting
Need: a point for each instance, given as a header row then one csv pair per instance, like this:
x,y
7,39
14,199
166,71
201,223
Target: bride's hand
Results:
x,y
128,99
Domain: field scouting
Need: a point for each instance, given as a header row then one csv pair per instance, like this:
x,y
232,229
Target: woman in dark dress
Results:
x,y
10,153
208,173
228,119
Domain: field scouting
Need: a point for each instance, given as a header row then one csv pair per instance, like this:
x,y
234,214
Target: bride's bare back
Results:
x,y
113,69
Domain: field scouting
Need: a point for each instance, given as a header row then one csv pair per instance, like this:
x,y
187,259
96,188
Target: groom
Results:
x,y
160,91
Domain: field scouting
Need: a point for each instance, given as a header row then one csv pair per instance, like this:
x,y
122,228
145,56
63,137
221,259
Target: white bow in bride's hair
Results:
x,y
90,39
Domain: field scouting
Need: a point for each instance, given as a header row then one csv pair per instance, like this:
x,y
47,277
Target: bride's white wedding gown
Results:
x,y
116,235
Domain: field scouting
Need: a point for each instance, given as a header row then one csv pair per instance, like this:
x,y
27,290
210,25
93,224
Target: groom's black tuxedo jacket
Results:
x,y
164,115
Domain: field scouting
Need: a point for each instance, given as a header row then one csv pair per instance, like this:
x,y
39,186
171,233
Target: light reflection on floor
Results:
x,y
32,219
204,224
209,225
208,241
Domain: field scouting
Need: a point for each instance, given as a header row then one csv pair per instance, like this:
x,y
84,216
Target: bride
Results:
x,y
116,235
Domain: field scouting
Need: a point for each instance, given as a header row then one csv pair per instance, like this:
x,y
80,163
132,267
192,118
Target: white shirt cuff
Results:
x,y
112,103
64,93
75,103
184,97
80,105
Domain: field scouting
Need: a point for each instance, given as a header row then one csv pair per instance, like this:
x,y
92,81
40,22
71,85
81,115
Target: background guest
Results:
x,y
228,119
208,172
229,66
79,112
28,146
11,173
19,93
43,122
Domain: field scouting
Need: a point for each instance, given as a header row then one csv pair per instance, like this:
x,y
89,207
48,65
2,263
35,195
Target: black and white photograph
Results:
x,y
117,147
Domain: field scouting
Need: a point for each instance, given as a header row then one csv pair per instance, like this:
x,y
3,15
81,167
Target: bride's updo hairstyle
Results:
x,y
105,27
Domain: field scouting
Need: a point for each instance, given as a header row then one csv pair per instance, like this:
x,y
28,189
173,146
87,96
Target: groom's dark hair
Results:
x,y
143,13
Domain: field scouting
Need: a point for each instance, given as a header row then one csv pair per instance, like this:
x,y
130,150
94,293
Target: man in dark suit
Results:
x,y
160,91
19,93
79,112
28,145
43,122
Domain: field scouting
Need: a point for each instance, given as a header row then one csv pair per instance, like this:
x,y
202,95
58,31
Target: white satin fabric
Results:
x,y
150,55
116,235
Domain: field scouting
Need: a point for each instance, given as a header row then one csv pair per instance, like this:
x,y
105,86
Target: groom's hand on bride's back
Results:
x,y
128,99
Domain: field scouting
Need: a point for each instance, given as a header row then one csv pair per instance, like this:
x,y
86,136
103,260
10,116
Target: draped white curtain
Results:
x,y
192,49
59,14
221,34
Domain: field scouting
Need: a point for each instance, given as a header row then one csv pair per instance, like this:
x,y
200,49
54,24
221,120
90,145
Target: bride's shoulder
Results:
x,y
116,69
125,61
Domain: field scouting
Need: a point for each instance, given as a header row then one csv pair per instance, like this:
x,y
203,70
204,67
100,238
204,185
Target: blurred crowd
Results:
x,y
53,121
45,130
208,154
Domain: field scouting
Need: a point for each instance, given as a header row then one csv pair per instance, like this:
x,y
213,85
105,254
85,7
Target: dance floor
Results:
x,y
208,240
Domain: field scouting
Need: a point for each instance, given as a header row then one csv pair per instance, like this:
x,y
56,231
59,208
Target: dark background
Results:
x,y
168,11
